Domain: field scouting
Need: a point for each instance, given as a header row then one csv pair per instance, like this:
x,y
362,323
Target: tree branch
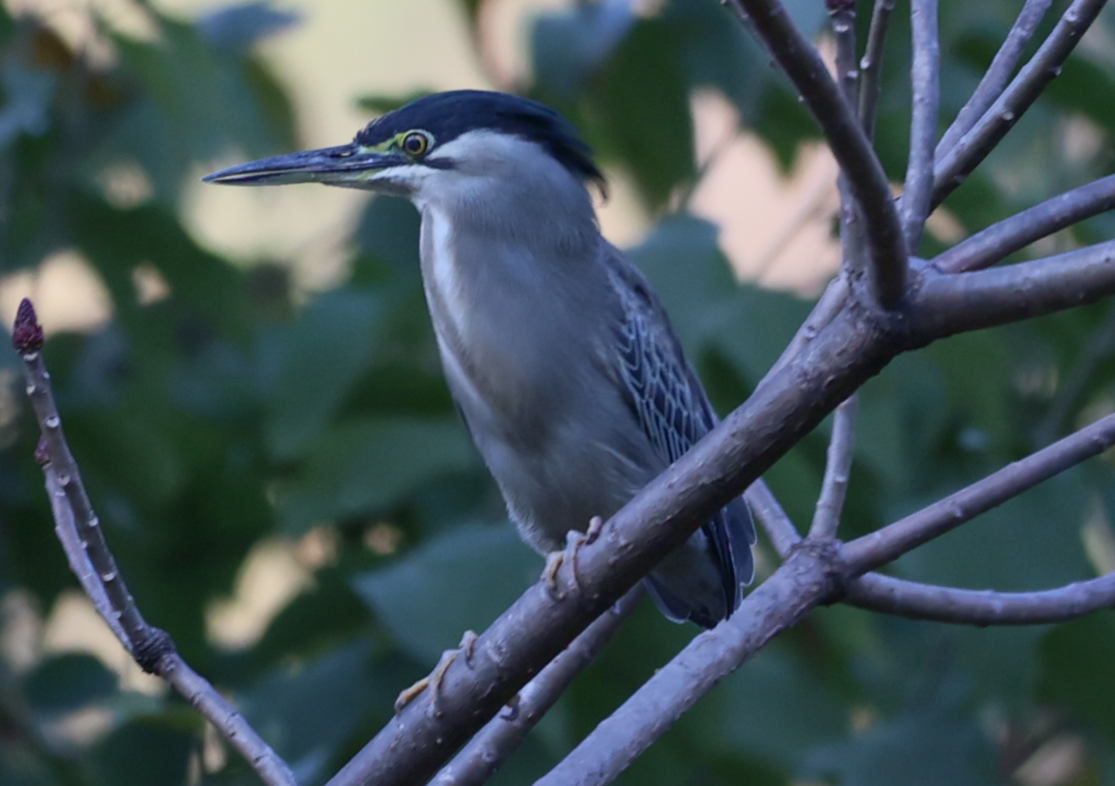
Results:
x,y
959,160
950,304
912,600
815,573
838,466
995,78
90,558
925,78
894,540
801,63
778,603
789,403
871,65
1000,240
780,529
831,302
657,520
842,16
489,749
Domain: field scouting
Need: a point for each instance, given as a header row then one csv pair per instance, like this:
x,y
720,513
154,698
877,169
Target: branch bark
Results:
x,y
995,79
949,304
838,466
925,80
485,752
957,162
894,540
803,65
1000,240
912,600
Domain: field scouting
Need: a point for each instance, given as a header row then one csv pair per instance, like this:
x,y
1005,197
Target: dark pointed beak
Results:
x,y
347,165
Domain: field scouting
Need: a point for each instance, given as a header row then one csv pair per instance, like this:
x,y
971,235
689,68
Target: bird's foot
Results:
x,y
574,541
433,682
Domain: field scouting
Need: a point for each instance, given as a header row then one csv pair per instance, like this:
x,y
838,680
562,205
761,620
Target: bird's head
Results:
x,y
454,137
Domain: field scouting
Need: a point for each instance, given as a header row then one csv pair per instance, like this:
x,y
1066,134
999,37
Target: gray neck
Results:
x,y
510,264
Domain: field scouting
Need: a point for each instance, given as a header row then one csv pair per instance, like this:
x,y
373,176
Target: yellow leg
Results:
x,y
433,682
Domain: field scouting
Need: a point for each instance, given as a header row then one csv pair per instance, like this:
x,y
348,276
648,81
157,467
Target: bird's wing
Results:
x,y
673,409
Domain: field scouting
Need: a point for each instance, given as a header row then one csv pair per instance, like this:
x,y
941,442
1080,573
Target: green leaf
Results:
x,y
1076,671
569,46
68,682
641,99
308,713
310,365
27,96
149,751
776,711
365,466
928,747
707,305
461,580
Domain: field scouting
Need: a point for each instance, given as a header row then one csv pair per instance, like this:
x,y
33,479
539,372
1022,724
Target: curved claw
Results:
x,y
574,541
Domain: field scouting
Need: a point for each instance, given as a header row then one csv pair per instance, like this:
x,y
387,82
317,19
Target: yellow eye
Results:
x,y
416,143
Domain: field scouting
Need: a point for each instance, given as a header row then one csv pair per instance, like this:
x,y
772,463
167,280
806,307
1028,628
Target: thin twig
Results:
x,y
871,65
803,65
925,79
82,538
1000,240
489,749
773,517
998,73
913,600
842,16
838,466
960,159
894,540
65,529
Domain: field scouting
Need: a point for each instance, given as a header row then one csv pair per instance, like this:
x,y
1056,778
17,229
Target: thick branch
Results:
x,y
980,607
1000,240
894,540
530,633
995,78
803,65
973,147
925,78
949,304
808,578
788,404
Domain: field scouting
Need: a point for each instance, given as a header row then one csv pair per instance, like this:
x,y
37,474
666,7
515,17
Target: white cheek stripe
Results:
x,y
444,267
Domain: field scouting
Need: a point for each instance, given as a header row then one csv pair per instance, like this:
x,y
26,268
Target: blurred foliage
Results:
x,y
238,411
